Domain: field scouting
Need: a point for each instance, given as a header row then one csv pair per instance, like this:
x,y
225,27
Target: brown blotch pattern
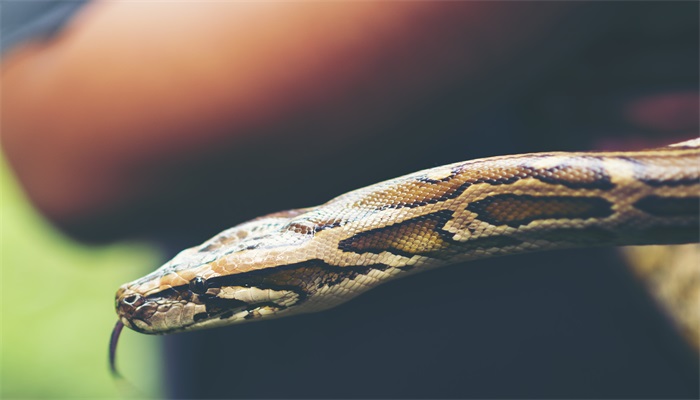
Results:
x,y
665,170
221,242
572,175
302,278
481,243
662,206
418,235
309,226
572,172
302,229
516,210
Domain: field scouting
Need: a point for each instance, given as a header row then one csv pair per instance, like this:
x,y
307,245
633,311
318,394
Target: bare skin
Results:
x,y
130,86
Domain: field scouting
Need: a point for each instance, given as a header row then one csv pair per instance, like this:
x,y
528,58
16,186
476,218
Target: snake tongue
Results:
x,y
113,348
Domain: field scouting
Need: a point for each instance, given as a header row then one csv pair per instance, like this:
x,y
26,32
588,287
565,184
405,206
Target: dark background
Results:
x,y
565,324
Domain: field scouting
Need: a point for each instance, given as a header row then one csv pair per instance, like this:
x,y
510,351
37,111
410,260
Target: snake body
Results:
x,y
311,259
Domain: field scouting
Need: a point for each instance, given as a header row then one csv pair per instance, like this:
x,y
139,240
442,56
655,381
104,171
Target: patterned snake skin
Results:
x,y
312,259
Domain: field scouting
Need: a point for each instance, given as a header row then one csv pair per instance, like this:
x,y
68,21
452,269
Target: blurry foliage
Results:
x,y
58,309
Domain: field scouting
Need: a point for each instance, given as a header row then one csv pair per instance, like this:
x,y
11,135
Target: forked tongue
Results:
x,y
113,349
124,386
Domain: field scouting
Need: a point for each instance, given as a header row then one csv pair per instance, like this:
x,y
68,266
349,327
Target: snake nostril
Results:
x,y
131,299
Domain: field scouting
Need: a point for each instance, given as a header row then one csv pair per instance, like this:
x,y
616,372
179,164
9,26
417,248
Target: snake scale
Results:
x,y
311,259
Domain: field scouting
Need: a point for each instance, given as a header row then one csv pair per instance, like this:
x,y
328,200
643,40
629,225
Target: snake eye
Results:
x,y
198,285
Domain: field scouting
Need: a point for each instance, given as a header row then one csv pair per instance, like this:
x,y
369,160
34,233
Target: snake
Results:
x,y
312,259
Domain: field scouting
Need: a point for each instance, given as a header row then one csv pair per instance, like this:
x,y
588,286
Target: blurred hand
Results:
x,y
95,117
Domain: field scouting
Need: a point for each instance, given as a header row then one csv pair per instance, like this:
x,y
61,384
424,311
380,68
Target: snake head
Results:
x,y
200,303
257,270
163,303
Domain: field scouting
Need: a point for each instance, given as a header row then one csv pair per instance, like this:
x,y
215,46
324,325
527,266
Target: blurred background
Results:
x,y
57,308
132,130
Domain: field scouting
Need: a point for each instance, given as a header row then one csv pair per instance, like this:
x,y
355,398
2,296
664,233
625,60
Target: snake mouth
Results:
x,y
136,324
179,308
162,314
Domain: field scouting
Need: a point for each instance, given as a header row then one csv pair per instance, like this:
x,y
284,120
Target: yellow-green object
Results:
x,y
58,310
672,275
